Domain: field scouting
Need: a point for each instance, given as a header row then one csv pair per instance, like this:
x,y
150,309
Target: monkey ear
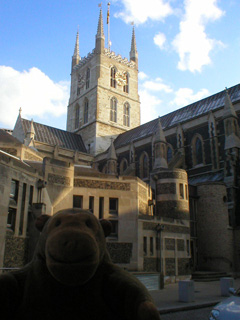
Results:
x,y
41,221
107,226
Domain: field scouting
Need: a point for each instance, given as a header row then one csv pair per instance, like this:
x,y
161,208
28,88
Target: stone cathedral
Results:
x,y
170,187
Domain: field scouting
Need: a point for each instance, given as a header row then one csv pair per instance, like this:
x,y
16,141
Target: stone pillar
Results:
x,y
26,205
5,187
19,207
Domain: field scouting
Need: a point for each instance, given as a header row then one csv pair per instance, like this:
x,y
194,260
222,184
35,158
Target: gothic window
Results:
x,y
123,165
77,112
113,77
236,128
87,78
113,110
144,166
86,111
197,146
169,154
126,114
104,169
199,155
126,86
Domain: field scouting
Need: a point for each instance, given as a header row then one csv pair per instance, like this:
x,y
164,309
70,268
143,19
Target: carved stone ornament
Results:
x,y
121,78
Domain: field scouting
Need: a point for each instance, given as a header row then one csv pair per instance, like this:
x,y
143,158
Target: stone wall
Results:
x,y
170,267
151,265
16,251
120,253
215,237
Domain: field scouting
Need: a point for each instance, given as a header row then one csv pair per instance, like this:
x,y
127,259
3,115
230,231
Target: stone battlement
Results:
x,y
84,60
110,54
119,58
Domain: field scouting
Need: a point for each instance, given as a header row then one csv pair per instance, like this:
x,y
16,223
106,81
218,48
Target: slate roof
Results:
x,y
8,138
191,111
54,136
207,177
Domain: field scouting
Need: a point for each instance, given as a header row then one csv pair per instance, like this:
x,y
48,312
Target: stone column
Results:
x,y
5,187
19,207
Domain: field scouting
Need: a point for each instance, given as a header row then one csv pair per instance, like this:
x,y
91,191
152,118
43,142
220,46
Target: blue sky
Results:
x,y
187,50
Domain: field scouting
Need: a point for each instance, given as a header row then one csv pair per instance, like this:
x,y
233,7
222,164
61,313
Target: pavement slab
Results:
x,y
205,294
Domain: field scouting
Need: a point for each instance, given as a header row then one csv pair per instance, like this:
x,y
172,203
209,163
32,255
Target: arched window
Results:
x,y
113,77
126,86
113,109
199,153
87,78
86,111
123,165
144,166
197,149
169,154
77,112
104,169
126,114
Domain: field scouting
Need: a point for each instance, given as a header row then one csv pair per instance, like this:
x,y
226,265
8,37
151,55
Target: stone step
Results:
x,y
151,281
205,276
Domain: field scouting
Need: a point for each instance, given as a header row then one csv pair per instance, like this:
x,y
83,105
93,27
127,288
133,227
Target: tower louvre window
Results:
x,y
113,78
126,86
113,110
77,111
86,111
88,78
126,114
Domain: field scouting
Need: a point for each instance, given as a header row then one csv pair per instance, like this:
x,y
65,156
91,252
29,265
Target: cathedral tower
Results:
x,y
104,99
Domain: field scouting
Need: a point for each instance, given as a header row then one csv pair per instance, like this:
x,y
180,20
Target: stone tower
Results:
x,y
231,161
104,99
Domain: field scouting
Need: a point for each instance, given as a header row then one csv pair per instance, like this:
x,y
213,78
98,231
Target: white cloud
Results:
x,y
192,43
185,96
149,104
33,91
157,85
142,75
160,39
141,11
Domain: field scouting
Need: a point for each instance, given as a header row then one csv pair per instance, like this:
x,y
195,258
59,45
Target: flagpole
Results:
x,y
108,23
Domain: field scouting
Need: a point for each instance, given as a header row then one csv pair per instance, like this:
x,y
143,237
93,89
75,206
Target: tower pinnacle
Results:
x,y
100,38
133,52
228,110
76,57
160,145
112,160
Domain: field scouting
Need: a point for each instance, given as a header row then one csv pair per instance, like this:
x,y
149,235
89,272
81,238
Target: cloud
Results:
x,y
141,11
192,42
185,96
160,39
157,85
142,75
33,91
149,105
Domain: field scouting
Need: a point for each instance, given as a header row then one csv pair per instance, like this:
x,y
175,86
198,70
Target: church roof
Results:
x,y
8,138
54,136
184,114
